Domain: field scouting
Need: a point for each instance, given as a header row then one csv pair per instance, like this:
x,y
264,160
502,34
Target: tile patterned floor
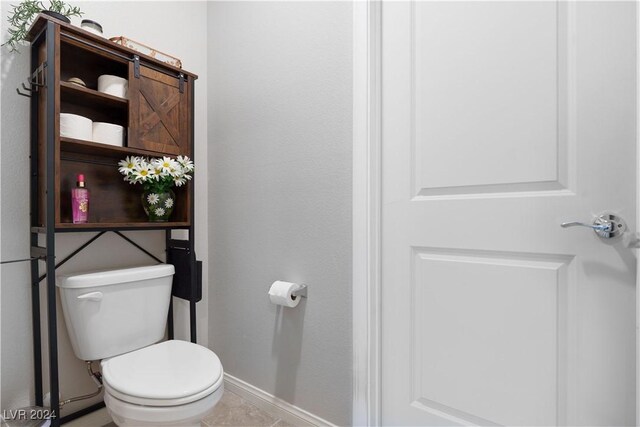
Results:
x,y
231,411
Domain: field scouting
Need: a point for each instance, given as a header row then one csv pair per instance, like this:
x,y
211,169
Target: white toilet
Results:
x,y
118,316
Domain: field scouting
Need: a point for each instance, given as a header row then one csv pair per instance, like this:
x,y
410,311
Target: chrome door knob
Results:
x,y
606,226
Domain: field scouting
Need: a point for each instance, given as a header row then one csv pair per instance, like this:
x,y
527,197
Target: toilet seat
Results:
x,y
126,414
169,373
161,402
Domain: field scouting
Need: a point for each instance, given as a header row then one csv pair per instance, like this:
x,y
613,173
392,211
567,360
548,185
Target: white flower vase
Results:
x,y
158,206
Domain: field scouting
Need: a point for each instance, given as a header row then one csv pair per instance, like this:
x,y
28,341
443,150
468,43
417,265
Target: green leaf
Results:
x,y
21,16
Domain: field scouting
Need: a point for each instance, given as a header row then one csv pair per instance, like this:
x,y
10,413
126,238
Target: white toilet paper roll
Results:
x,y
113,85
75,126
108,133
280,293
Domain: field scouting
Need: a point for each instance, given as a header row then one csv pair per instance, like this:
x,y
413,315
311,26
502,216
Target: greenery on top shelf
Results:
x,y
22,15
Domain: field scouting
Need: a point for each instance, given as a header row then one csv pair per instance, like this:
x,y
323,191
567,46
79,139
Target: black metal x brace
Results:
x,y
93,239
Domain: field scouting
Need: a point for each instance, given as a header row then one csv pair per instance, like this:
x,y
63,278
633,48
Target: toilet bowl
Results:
x,y
172,383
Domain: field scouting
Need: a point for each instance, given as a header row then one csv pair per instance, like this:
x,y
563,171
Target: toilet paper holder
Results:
x,y
300,292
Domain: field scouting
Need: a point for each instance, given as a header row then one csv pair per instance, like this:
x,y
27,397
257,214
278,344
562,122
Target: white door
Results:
x,y
500,121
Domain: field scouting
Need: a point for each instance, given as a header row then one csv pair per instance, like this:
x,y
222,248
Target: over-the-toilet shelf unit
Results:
x,y
158,115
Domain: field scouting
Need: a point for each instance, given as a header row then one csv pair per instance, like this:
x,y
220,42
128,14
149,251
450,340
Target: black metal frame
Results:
x,y
35,270
47,253
81,412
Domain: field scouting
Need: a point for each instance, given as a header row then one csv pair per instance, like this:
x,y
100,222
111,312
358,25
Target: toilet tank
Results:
x,y
113,312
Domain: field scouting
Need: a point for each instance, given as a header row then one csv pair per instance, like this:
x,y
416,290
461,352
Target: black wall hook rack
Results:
x,y
22,94
35,82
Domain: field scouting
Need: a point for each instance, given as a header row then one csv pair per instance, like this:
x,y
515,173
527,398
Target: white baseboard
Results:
x,y
277,407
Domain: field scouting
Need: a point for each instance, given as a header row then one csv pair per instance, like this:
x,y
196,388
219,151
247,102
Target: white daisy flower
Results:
x,y
142,172
176,172
168,203
153,198
180,181
167,164
159,211
186,163
181,174
128,164
157,173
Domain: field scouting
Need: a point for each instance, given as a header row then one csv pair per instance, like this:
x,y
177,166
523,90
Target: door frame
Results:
x,y
366,212
367,206
637,252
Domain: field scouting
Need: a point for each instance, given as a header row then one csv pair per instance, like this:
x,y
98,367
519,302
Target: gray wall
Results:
x,y
280,123
158,24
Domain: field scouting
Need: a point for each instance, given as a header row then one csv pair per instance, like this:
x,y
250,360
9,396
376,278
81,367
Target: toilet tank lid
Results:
x,y
114,277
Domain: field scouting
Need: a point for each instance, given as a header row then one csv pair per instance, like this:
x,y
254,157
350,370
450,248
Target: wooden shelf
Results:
x,y
82,95
97,106
157,116
79,146
115,203
107,226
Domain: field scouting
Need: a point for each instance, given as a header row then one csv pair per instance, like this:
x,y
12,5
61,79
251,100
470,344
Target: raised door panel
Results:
x,y
490,82
478,318
160,113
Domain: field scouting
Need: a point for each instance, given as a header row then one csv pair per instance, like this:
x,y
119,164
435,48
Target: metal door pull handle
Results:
x,y
606,226
596,227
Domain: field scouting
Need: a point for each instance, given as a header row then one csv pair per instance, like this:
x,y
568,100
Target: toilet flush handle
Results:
x,y
91,296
